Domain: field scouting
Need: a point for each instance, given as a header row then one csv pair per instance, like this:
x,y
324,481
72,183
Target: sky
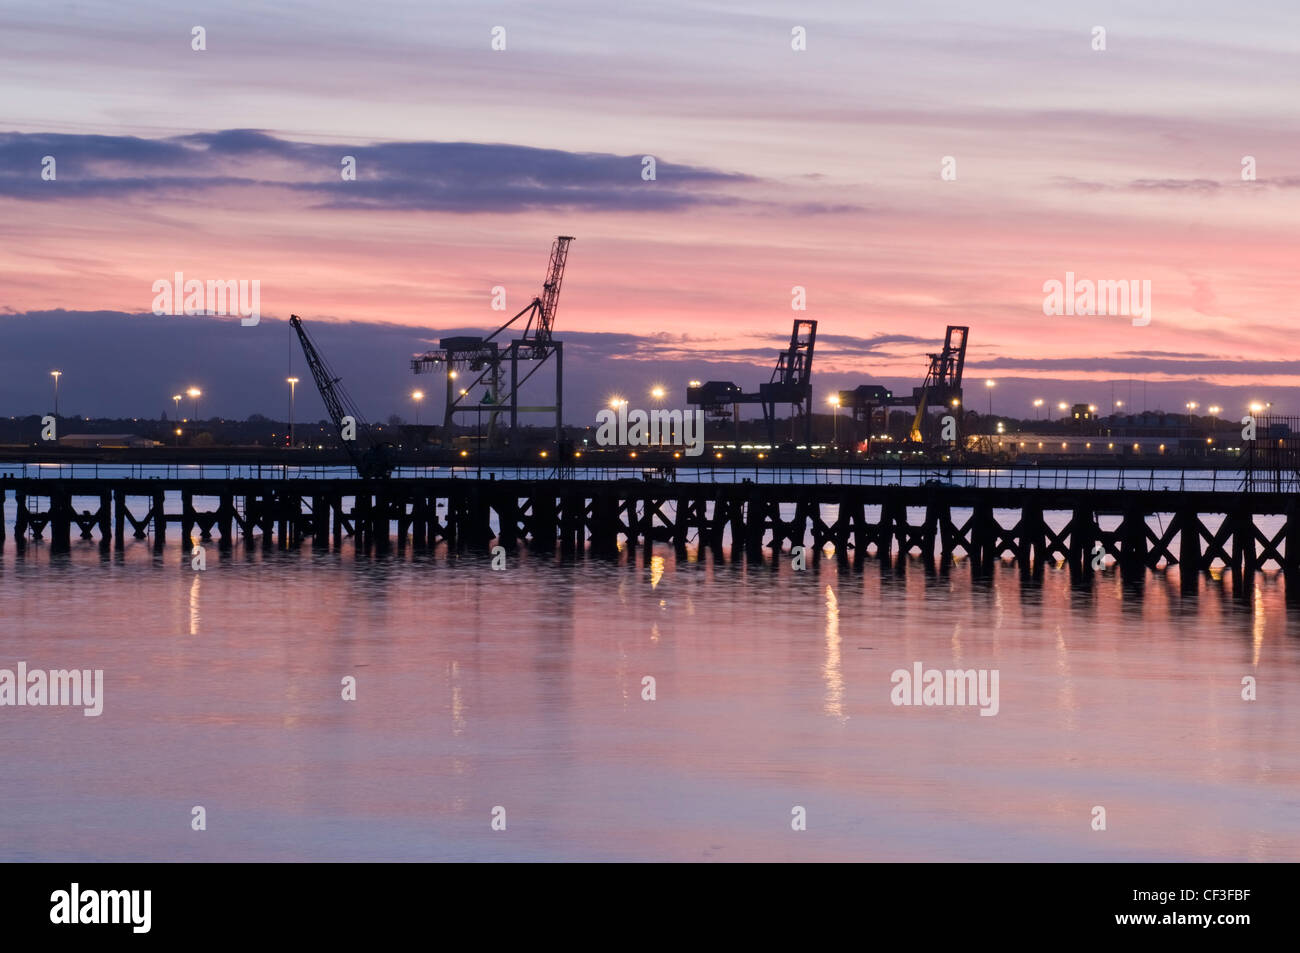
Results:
x,y
820,168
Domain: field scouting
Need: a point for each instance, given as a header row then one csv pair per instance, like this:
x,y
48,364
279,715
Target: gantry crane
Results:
x,y
791,382
485,356
942,385
368,455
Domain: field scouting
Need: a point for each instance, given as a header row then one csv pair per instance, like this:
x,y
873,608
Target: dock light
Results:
x,y
1062,406
543,454
452,374
677,454
616,402
1214,408
694,384
56,375
1092,408
293,385
632,454
1256,407
194,394
177,398
718,455
577,453
956,402
1192,405
464,453
417,396
658,393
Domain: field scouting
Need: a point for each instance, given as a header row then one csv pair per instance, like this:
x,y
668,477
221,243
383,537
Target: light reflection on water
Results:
x,y
522,688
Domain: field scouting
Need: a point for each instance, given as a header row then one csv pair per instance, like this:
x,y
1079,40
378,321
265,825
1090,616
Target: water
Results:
x,y
523,689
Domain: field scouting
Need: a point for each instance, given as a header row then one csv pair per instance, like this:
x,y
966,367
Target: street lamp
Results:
x,y
417,396
293,382
989,385
177,399
1192,405
658,393
194,394
1062,407
834,401
1038,402
56,375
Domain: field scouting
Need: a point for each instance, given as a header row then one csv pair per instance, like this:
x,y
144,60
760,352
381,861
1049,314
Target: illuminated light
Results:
x,y
956,402
452,374
543,453
694,384
464,453
1209,440
718,455
1110,446
632,454
1135,446
1087,446
1040,445
990,383
1062,406
1064,446
657,392
616,402
577,454
1038,402
833,400
415,394
677,455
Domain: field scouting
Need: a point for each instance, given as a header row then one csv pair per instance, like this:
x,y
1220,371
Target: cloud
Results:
x,y
460,177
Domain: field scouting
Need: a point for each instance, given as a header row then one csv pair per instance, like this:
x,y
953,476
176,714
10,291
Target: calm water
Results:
x,y
522,688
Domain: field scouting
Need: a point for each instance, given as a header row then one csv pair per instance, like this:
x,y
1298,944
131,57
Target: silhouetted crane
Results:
x,y
368,455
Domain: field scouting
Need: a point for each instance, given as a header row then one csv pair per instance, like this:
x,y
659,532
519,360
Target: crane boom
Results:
x,y
369,462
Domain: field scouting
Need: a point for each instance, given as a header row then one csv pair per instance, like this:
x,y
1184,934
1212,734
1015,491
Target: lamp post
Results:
x,y
1038,402
177,399
293,382
417,396
56,375
834,401
1214,410
1063,407
194,394
657,394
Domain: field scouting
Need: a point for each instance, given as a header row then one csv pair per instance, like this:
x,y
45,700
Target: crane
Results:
x,y
371,458
486,355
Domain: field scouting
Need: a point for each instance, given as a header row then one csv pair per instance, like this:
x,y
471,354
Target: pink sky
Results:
x,y
1116,164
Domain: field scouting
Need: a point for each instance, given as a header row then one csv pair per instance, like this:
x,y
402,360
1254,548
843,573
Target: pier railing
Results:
x,y
1029,478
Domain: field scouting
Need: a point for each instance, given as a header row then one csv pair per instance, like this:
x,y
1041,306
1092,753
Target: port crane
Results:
x,y
487,356
791,382
368,455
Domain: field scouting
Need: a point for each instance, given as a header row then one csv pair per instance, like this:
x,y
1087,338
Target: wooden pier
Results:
x,y
936,524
